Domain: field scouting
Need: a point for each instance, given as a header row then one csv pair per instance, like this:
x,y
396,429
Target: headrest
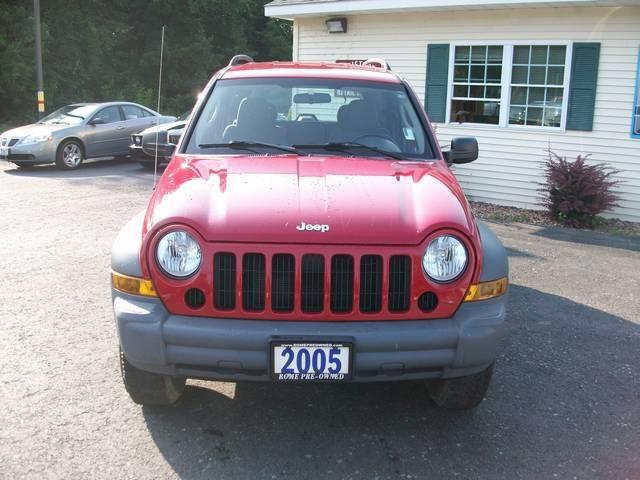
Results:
x,y
255,110
359,114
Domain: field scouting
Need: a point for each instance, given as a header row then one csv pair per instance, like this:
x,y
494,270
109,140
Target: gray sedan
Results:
x,y
77,132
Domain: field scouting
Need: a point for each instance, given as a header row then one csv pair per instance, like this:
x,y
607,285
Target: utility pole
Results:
x,y
38,38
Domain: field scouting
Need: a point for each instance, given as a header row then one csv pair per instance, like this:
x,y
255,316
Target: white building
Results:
x,y
519,74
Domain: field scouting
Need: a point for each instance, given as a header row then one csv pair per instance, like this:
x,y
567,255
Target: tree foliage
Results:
x,y
100,50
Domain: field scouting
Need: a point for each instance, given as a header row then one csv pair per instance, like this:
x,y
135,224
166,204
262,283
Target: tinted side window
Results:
x,y
109,114
132,113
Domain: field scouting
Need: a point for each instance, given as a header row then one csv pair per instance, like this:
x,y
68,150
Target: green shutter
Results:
x,y
435,98
582,90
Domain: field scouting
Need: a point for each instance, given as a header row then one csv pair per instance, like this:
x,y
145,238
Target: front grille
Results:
x,y
312,290
370,283
224,280
399,283
253,274
312,283
341,283
283,277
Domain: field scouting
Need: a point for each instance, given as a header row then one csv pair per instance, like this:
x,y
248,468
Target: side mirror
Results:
x,y
97,121
463,150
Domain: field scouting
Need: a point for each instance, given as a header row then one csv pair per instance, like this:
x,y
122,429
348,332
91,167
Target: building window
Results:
x,y
477,84
537,85
531,91
635,121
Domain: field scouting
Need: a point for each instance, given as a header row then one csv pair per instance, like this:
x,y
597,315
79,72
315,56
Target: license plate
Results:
x,y
311,362
4,151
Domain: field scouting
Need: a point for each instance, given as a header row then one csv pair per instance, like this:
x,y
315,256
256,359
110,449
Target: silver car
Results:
x,y
77,132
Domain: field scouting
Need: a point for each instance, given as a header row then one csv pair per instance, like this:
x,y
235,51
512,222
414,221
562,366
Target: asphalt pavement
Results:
x,y
564,402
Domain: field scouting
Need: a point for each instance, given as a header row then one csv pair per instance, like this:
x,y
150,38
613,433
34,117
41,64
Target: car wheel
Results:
x,y
70,155
146,388
462,393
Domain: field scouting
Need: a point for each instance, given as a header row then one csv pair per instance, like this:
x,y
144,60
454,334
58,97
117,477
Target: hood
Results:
x,y
164,127
34,128
297,199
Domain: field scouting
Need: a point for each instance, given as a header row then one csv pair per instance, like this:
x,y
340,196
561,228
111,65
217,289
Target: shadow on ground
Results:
x,y
107,174
90,168
563,395
588,237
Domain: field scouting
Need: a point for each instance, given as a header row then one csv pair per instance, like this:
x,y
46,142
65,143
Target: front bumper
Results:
x,y
138,155
35,153
154,340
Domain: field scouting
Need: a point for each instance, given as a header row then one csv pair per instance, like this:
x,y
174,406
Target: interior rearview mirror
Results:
x,y
311,98
463,150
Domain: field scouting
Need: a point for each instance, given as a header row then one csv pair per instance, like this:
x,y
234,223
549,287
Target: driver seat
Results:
x,y
256,121
357,119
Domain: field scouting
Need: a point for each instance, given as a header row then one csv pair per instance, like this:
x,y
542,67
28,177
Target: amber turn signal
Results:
x,y
133,285
486,290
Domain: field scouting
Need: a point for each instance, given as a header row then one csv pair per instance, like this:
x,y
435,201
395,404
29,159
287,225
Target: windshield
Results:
x,y
69,115
312,115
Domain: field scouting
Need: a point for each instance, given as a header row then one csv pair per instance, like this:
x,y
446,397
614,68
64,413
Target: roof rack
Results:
x,y
240,60
377,63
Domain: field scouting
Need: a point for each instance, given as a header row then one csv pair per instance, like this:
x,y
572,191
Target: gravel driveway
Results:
x,y
565,401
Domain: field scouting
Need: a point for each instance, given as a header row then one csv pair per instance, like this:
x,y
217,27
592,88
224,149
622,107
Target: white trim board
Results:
x,y
345,7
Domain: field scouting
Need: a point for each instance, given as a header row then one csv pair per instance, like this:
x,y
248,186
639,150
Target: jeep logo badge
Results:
x,y
310,228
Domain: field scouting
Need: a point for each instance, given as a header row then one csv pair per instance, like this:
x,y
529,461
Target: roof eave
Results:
x,y
352,7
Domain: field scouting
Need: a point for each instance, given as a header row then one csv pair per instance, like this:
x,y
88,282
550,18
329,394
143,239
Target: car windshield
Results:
x,y
345,117
69,115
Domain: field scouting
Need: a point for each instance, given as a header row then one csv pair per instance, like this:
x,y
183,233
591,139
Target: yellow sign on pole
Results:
x,y
40,101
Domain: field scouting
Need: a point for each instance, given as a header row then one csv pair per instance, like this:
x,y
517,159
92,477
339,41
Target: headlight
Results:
x,y
137,139
36,138
445,259
178,254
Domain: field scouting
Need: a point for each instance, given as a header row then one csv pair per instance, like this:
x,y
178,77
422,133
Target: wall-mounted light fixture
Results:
x,y
337,25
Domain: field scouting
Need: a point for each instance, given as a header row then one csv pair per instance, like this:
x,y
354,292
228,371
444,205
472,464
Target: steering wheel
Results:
x,y
389,143
306,116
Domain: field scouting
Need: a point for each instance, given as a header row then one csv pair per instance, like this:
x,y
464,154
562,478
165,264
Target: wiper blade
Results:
x,y
344,146
242,145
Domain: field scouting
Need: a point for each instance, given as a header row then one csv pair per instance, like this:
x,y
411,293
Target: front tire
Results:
x,y
462,393
146,388
70,155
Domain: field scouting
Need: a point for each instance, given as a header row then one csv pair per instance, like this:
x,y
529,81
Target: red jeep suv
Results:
x,y
309,229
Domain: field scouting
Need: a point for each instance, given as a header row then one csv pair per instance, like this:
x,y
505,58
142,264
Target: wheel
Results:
x,y
146,388
462,393
70,155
